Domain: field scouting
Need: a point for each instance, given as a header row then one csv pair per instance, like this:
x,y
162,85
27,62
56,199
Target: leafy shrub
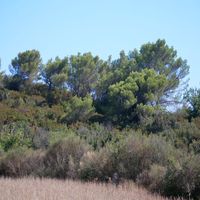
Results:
x,y
182,177
97,165
97,135
59,133
10,115
139,152
12,136
187,135
161,121
20,162
153,179
63,158
78,109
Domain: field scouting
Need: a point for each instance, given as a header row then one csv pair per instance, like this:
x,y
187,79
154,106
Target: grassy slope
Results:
x,y
51,189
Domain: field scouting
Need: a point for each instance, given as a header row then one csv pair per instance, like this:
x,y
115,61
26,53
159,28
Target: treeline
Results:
x,y
86,118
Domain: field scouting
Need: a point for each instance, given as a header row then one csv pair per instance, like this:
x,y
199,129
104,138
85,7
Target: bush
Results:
x,y
14,136
183,177
40,138
22,162
78,109
187,136
153,179
62,160
97,165
97,135
139,152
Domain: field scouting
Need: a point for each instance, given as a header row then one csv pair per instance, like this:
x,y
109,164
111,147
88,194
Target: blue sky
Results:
x,y
103,27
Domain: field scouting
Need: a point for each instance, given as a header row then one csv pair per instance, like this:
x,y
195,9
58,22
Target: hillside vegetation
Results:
x,y
84,118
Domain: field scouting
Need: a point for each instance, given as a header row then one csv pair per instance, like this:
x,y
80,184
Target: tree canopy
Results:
x,y
26,65
91,118
163,59
55,73
122,89
83,73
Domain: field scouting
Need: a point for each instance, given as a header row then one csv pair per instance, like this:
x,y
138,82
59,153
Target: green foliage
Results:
x,y
83,73
82,117
9,115
113,72
140,87
15,135
163,59
139,92
138,153
13,140
182,177
13,82
60,133
97,135
78,109
54,73
184,136
192,97
3,94
25,66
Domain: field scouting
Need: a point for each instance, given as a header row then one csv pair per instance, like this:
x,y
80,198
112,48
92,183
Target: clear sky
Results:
x,y
103,27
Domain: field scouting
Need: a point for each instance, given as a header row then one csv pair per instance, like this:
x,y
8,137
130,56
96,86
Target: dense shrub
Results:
x,y
62,160
128,157
139,152
153,179
22,162
40,138
55,110
14,136
178,178
185,137
78,109
183,177
9,115
97,135
97,166
60,133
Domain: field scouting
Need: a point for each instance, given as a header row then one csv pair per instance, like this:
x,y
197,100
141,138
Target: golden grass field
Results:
x,y
51,189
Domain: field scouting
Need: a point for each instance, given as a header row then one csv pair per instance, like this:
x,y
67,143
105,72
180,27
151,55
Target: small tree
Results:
x,y
54,73
192,97
83,73
78,109
163,59
25,66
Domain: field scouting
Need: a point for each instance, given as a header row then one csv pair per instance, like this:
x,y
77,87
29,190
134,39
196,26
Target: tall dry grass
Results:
x,y
52,189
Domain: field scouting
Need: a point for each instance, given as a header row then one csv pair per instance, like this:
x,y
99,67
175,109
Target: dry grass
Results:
x,y
51,189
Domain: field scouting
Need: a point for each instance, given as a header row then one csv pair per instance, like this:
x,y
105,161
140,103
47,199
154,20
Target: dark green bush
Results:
x,y
97,135
14,136
183,177
78,109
